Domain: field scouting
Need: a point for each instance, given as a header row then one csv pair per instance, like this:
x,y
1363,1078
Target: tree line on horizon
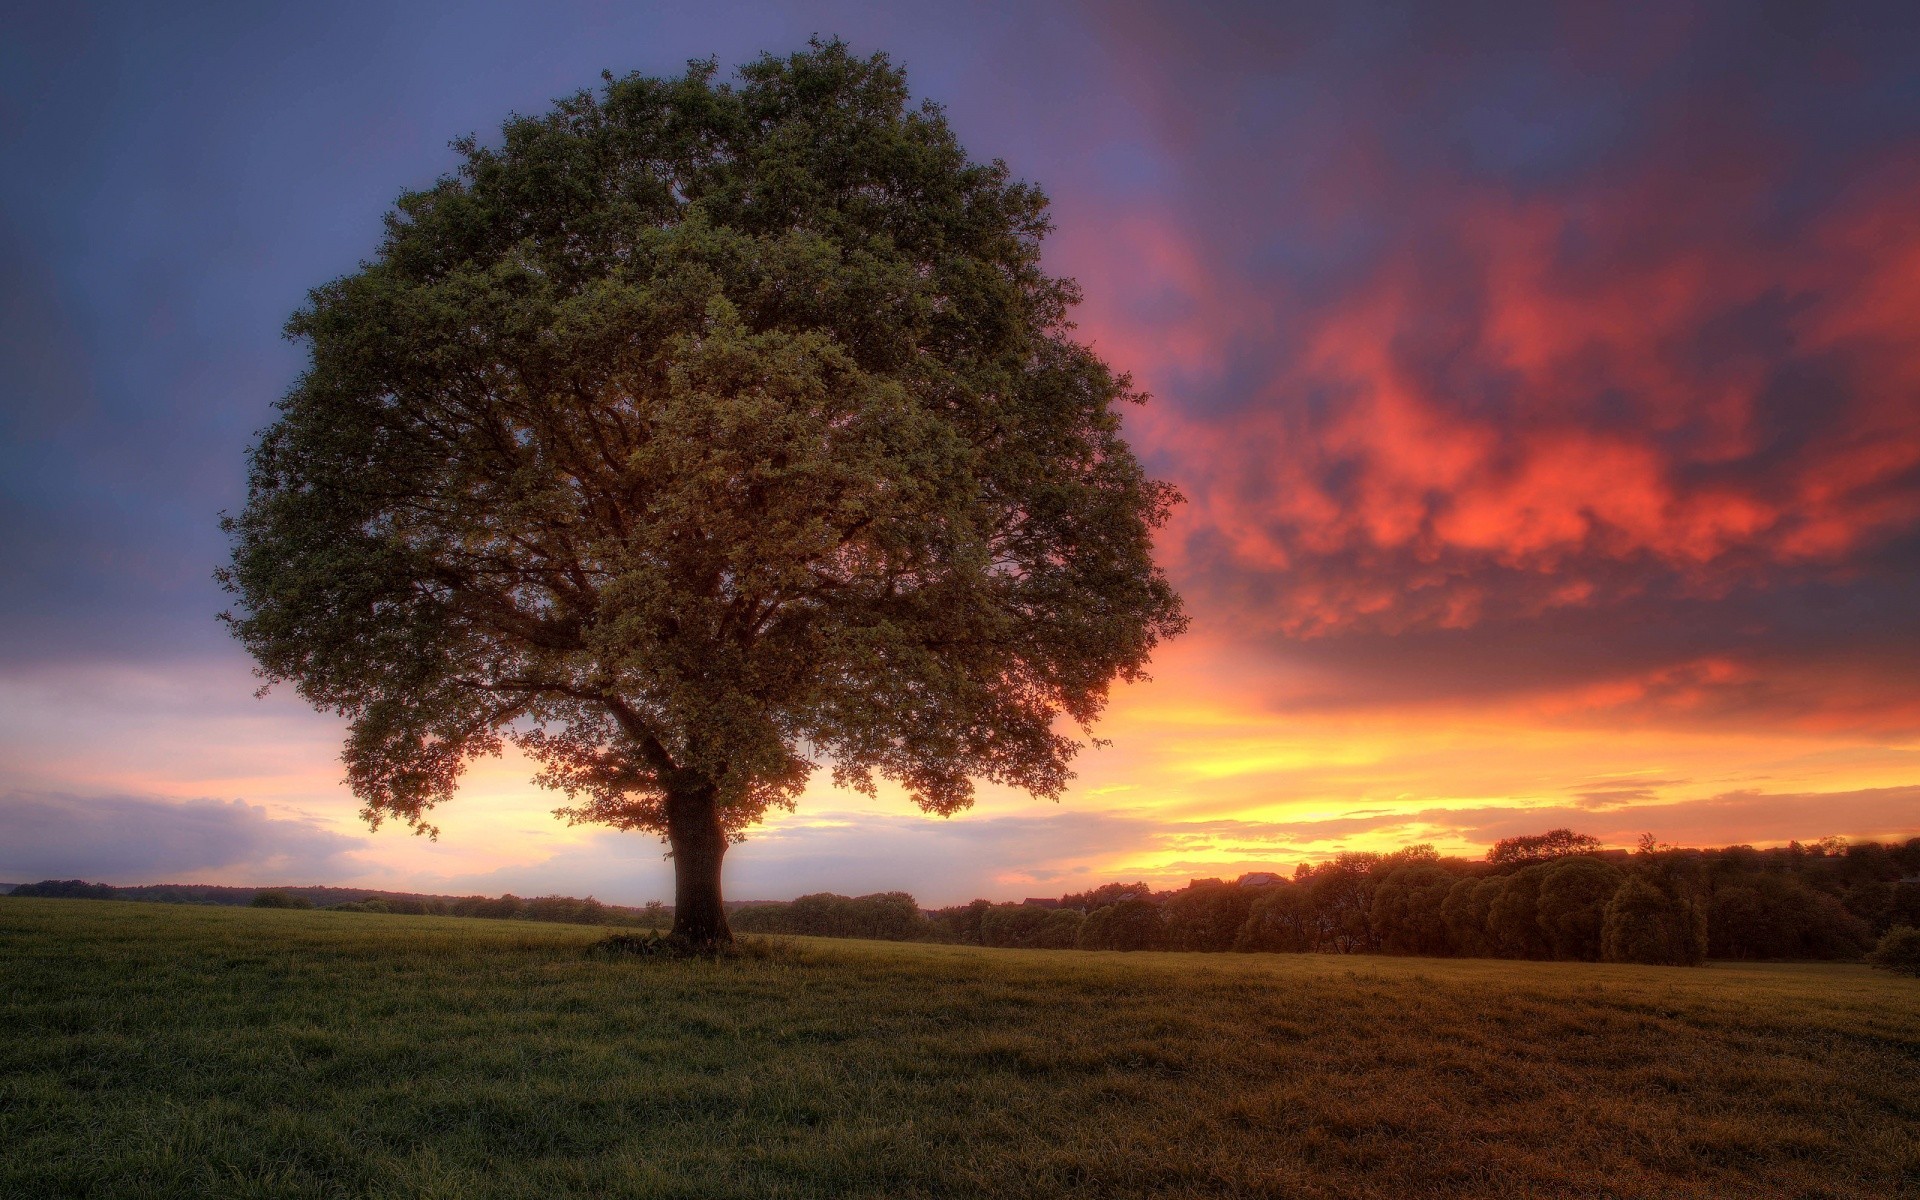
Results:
x,y
571,910
1557,895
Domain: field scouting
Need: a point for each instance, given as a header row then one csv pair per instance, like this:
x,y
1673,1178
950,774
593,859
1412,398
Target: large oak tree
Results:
x,y
696,434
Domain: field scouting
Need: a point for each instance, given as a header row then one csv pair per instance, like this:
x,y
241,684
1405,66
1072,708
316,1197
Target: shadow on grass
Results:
x,y
668,947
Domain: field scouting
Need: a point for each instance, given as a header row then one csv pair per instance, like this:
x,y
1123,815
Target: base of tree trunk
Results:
x,y
699,845
707,930
653,945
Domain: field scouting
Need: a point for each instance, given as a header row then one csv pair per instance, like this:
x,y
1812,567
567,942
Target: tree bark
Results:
x,y
699,844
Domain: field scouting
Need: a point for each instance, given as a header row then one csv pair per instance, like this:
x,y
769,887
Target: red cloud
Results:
x,y
1570,371
1568,404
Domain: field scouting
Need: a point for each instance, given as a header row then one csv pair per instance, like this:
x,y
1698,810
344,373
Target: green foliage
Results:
x,y
1902,908
1513,915
569,909
1646,924
1555,843
193,1051
1465,912
1769,916
502,908
883,916
1572,906
1030,926
64,889
1794,902
667,946
1205,917
961,923
1341,893
1408,915
1060,931
690,435
1010,925
1898,951
1131,924
1281,920
1105,894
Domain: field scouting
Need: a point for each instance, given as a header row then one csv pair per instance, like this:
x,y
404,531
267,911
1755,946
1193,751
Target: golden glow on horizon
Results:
x,y
1201,780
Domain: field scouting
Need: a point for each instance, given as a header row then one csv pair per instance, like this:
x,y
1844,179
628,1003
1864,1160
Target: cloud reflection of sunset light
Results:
x,y
1544,387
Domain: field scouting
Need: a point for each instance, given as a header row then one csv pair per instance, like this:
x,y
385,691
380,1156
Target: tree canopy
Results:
x,y
694,435
1554,843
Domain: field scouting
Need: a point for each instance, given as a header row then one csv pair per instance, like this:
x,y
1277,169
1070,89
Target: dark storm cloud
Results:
x,y
133,839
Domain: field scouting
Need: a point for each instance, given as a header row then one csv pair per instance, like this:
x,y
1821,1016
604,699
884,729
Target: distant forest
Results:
x,y
1556,895
567,909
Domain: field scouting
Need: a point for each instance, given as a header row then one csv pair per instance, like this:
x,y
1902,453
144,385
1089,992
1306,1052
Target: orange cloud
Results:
x,y
1578,431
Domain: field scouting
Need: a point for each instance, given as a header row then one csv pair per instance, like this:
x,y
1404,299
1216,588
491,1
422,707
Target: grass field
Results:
x,y
150,1050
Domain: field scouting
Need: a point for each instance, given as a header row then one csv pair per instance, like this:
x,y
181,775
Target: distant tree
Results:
x,y
1205,916
1130,924
1555,843
1904,908
695,436
1907,856
1741,924
1060,931
884,916
1771,916
1737,860
962,922
655,916
1280,921
1867,862
1012,925
1465,911
1421,854
65,889
1513,915
1572,906
1031,926
1645,924
892,916
1407,914
504,908
761,918
566,909
275,898
1105,894
1341,895
1871,901
1829,931
1898,951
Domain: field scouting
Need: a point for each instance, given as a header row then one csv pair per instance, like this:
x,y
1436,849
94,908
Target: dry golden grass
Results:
x,y
161,1051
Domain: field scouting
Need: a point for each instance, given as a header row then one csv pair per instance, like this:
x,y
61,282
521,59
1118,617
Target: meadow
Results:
x,y
154,1050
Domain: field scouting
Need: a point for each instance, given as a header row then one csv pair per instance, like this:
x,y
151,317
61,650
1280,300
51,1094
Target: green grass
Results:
x,y
151,1050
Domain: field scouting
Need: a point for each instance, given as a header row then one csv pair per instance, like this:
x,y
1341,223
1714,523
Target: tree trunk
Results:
x,y
699,843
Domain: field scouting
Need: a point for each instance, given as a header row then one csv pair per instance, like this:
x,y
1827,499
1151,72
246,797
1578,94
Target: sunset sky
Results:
x,y
1543,381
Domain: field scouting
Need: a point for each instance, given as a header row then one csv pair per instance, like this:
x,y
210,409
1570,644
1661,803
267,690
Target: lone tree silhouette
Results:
x,y
696,435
